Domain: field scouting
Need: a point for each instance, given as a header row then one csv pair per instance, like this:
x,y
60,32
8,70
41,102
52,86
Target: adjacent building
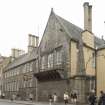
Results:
x,y
18,75
4,61
100,69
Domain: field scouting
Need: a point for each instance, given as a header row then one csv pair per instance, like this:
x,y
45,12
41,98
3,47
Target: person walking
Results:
x,y
55,98
101,100
13,97
92,99
3,95
50,99
75,98
31,97
71,96
66,98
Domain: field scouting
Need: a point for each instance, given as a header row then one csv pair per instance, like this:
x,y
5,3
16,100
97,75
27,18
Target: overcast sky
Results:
x,y
18,18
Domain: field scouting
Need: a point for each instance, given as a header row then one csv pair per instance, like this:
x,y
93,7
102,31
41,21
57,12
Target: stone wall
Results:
x,y
51,87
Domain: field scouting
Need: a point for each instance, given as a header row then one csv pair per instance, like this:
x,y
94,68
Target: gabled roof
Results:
x,y
73,31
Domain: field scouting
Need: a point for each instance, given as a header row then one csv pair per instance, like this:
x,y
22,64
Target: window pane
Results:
x,y
50,60
58,57
43,63
93,60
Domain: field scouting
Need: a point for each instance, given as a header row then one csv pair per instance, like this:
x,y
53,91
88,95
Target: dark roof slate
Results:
x,y
73,31
101,47
99,41
23,59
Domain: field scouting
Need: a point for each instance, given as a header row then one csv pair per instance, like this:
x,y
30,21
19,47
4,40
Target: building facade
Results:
x,y
100,70
18,75
67,57
4,61
65,60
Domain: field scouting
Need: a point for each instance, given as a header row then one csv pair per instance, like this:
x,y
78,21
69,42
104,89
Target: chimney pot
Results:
x,y
87,16
16,53
86,4
33,42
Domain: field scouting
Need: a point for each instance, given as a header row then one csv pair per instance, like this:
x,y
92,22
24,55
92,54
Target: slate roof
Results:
x,y
23,59
99,41
75,32
101,47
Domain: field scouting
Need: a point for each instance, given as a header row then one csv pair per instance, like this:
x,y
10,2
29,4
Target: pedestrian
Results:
x,y
31,96
66,98
71,96
18,97
50,99
92,99
55,98
13,97
75,98
101,100
3,95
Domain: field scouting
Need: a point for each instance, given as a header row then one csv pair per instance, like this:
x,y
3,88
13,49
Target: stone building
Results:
x,y
100,69
67,57
4,61
18,75
65,60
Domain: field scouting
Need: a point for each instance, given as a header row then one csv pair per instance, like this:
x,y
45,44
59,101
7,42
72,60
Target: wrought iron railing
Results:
x,y
60,66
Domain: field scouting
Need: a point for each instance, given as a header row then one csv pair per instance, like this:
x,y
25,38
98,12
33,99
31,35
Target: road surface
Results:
x,y
9,103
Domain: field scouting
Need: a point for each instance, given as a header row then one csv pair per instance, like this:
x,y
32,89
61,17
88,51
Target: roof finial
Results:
x,y
52,10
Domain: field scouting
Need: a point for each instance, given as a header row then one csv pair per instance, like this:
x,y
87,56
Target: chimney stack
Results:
x,y
87,16
33,42
15,53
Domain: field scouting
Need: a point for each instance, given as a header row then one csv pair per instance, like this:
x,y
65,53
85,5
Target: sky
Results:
x,y
18,18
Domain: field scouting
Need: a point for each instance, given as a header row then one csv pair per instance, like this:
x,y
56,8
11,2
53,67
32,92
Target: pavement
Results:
x,y
30,102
